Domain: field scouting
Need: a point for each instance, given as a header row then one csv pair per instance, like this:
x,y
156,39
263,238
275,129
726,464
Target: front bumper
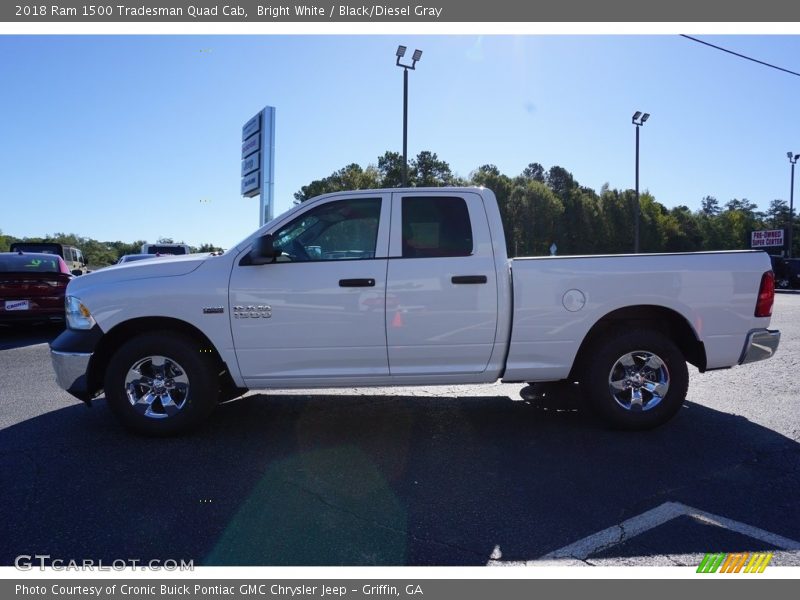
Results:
x,y
71,372
760,345
71,353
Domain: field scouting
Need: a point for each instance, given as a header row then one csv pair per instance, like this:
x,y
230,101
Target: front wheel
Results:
x,y
160,385
635,380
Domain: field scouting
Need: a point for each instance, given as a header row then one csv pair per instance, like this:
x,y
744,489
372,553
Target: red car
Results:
x,y
32,287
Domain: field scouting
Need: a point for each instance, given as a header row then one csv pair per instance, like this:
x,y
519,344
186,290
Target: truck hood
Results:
x,y
171,266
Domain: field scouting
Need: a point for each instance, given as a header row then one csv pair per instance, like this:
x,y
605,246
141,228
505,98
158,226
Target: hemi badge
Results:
x,y
213,310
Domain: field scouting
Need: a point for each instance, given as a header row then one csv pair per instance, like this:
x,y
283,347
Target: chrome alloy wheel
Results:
x,y
639,380
157,387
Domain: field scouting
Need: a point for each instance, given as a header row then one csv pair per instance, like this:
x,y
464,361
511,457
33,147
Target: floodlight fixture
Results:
x,y
417,55
401,51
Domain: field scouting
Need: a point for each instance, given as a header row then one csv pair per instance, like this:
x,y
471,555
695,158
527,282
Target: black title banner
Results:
x,y
444,11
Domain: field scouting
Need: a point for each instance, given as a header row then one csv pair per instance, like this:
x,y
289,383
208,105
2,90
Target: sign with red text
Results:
x,y
767,238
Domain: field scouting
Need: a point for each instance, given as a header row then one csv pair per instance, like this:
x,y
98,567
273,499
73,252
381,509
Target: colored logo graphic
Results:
x,y
738,562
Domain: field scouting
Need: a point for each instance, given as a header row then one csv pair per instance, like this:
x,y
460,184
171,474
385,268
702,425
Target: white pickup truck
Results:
x,y
406,287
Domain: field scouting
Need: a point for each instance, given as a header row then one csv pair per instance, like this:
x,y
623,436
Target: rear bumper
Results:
x,y
760,345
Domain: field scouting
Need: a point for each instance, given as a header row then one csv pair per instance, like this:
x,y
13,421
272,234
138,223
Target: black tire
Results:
x,y
170,363
626,358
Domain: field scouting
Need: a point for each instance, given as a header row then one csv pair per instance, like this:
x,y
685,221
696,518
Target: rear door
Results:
x,y
441,302
318,312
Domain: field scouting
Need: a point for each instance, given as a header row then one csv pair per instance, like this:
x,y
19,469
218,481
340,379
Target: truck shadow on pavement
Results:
x,y
364,480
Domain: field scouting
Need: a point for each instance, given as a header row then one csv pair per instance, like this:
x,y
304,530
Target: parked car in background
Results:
x,y
32,287
72,256
134,257
787,272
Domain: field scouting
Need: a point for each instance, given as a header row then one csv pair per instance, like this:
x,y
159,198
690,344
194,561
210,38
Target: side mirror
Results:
x,y
77,272
264,251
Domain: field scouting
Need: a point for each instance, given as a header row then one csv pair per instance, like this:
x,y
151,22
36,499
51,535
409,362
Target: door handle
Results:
x,y
356,283
469,279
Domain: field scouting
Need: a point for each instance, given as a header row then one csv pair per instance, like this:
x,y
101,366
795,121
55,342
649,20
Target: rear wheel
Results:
x,y
158,384
635,380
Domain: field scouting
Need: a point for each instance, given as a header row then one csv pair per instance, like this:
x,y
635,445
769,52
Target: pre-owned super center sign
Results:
x,y
767,238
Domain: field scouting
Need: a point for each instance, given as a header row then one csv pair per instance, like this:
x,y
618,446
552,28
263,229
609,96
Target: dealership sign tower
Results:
x,y
258,160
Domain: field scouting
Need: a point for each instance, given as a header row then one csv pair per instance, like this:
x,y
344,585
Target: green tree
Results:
x,y
560,181
617,214
351,177
123,248
535,172
489,176
682,231
390,169
429,171
777,215
207,248
709,206
533,215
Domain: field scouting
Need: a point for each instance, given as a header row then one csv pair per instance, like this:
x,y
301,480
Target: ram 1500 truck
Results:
x,y
406,287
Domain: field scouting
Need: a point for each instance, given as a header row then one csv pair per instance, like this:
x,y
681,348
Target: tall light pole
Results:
x,y
638,120
401,51
792,160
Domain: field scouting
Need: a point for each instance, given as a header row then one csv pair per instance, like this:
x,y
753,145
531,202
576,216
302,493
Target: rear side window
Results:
x,y
436,226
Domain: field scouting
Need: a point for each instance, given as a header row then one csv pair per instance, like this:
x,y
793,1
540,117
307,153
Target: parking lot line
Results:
x,y
577,552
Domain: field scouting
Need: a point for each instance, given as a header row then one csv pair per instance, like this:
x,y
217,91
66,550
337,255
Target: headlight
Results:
x,y
78,316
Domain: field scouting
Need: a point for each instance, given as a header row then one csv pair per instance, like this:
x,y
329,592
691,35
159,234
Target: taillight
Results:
x,y
766,295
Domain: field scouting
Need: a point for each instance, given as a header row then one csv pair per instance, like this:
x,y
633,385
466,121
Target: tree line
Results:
x,y
540,207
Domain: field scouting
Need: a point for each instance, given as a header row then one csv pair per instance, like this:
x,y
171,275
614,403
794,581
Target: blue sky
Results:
x,y
138,137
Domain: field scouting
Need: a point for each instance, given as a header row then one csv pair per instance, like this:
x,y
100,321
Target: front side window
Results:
x,y
436,226
339,230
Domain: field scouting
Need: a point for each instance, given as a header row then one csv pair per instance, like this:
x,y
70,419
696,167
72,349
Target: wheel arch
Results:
x,y
122,332
659,318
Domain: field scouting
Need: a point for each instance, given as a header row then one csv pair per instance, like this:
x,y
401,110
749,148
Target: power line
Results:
x,y
761,62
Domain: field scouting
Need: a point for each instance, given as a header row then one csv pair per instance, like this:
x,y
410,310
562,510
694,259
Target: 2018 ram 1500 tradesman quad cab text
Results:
x,y
406,287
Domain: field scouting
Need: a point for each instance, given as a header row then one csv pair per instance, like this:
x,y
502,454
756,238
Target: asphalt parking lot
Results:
x,y
460,475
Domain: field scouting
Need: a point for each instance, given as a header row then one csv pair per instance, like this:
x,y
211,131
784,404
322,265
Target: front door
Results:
x,y
318,312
